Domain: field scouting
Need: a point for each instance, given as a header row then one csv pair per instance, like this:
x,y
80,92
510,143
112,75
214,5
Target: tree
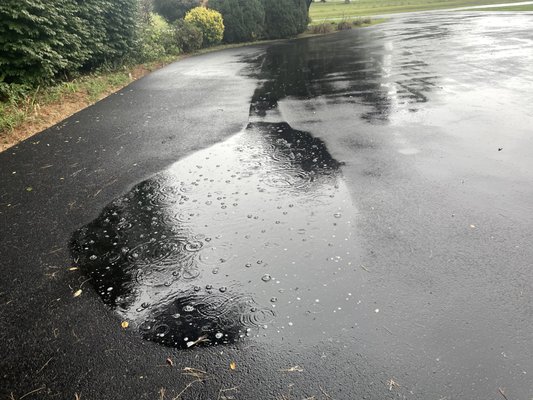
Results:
x,y
173,10
38,40
42,39
285,18
244,20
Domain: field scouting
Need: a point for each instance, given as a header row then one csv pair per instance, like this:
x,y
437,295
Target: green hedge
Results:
x,y
173,10
247,20
41,39
244,19
285,18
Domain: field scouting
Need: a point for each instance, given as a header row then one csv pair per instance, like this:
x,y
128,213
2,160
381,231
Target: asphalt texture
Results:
x,y
389,171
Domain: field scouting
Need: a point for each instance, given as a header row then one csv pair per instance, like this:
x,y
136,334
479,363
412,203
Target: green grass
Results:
x,y
526,7
356,21
338,9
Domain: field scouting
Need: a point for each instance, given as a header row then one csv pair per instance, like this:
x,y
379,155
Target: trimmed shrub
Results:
x,y
285,18
173,10
157,39
188,36
244,20
210,23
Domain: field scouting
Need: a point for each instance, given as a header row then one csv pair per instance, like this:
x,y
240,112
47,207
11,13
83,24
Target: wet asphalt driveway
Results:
x,y
339,217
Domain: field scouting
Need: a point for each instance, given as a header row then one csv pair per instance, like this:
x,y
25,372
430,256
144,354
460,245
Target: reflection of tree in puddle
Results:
x,y
172,257
350,67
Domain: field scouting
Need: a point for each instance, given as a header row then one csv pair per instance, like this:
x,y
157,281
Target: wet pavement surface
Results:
x,y
344,217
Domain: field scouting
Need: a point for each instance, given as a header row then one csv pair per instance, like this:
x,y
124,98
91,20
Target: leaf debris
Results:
x,y
392,384
296,368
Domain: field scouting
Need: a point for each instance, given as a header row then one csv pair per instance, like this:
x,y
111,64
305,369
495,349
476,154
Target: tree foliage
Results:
x,y
188,36
285,18
41,39
157,38
244,20
173,10
210,22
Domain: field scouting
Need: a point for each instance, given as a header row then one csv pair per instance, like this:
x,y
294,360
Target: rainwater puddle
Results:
x,y
209,250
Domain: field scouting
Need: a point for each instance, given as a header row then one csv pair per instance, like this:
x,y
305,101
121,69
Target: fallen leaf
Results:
x,y
170,362
232,365
73,268
392,384
77,293
296,368
29,189
125,324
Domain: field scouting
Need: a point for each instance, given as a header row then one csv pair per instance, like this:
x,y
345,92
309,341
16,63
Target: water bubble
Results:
x,y
145,305
337,215
266,278
248,265
215,271
209,287
197,288
93,257
273,299
223,289
188,308
219,335
193,246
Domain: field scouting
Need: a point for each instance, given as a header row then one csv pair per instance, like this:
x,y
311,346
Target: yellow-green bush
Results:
x,y
157,38
210,23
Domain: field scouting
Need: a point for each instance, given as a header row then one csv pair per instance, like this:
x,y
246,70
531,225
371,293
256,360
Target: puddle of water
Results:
x,y
363,69
195,255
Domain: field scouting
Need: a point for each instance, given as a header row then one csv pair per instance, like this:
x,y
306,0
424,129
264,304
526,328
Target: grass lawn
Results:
x,y
338,9
525,7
